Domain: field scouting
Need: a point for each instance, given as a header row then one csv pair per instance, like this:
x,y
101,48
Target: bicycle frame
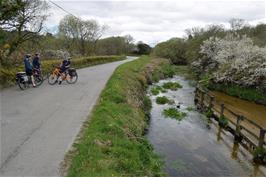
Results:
x,y
56,72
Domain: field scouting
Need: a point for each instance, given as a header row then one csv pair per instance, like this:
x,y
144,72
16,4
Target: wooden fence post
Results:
x,y
237,136
196,90
196,95
222,110
261,138
202,98
211,102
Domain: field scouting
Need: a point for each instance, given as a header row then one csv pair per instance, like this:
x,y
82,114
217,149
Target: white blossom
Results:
x,y
233,59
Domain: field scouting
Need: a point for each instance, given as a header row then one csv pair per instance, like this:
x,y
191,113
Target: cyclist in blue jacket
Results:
x,y
28,68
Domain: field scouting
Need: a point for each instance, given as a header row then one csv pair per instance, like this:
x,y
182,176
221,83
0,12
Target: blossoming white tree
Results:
x,y
233,59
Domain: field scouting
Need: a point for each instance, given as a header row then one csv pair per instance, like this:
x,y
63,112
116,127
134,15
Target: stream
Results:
x,y
193,146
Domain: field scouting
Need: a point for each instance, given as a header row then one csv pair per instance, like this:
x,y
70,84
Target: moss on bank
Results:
x,y
112,142
8,75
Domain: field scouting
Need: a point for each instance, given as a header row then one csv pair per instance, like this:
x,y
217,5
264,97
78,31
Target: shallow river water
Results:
x,y
193,147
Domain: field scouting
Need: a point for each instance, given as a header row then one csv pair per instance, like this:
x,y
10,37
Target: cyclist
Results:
x,y
28,68
65,65
36,63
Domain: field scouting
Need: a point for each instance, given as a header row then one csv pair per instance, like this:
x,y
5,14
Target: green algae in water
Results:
x,y
174,113
163,90
172,85
164,100
179,165
157,89
190,108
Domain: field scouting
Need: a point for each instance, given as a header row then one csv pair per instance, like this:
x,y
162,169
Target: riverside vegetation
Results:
x,y
229,60
112,143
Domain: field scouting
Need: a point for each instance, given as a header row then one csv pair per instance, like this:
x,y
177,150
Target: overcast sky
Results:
x,y
156,21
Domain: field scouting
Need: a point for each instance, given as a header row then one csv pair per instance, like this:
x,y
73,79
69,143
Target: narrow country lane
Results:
x,y
39,125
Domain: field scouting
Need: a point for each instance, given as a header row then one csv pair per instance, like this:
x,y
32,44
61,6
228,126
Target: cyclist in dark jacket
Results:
x,y
36,64
36,61
65,65
28,68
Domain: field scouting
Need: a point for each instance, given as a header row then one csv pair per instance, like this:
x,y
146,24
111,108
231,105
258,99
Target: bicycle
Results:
x,y
70,75
24,81
38,77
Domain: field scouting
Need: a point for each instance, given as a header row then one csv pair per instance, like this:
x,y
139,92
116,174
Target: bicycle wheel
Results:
x,y
72,79
52,79
22,85
38,80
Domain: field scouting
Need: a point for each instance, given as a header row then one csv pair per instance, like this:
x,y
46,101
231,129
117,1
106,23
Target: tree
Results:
x,y
143,48
237,24
81,31
129,43
173,49
233,59
111,46
9,10
24,21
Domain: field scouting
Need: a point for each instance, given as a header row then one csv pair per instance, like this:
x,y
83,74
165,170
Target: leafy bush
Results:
x,y
259,156
168,70
209,113
173,49
223,121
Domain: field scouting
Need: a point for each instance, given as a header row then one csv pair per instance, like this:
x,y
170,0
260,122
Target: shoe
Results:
x,y
60,82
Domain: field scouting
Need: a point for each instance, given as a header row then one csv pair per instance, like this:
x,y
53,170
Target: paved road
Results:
x,y
39,125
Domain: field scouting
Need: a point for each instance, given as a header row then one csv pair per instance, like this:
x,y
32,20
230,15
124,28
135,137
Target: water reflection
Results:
x,y
219,137
195,146
248,109
235,150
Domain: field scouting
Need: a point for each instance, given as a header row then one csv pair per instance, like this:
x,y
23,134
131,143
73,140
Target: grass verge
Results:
x,y
112,142
8,75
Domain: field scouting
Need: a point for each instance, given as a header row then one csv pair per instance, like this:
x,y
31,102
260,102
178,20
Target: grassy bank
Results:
x,y
7,75
250,94
112,142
